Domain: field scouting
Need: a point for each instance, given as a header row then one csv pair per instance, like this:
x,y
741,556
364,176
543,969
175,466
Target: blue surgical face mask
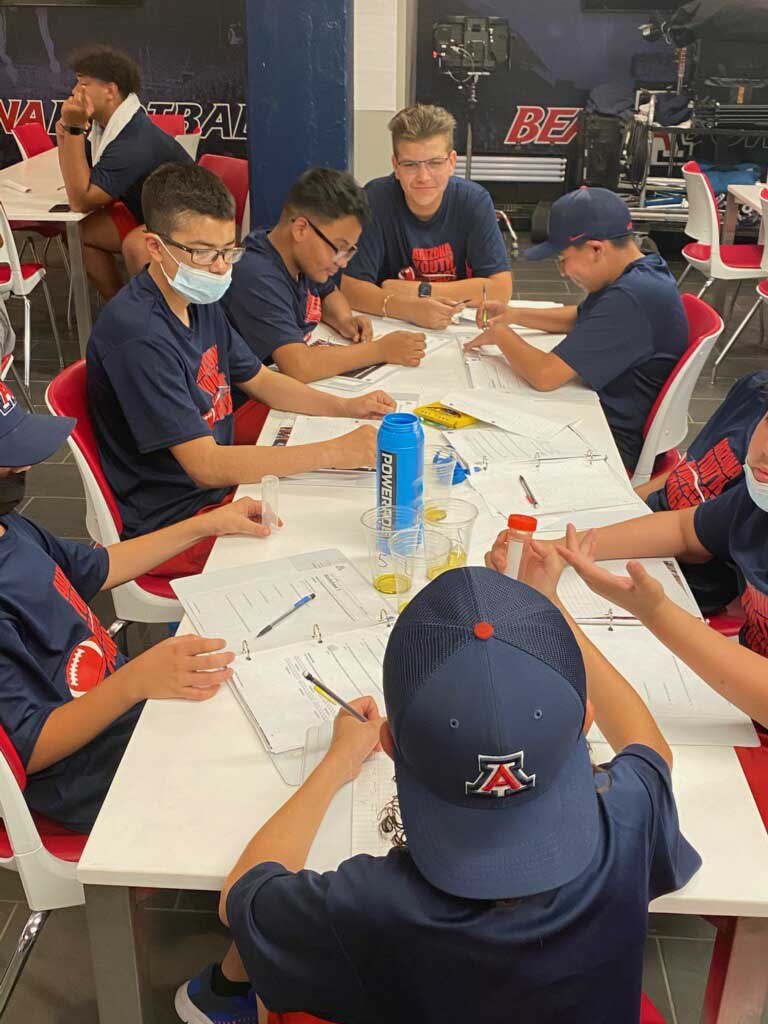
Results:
x,y
198,286
758,491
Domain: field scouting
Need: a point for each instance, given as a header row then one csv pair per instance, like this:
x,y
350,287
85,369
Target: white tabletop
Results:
x,y
196,782
43,177
748,194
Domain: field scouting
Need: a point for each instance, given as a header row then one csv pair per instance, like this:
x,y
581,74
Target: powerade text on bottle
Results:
x,y
400,465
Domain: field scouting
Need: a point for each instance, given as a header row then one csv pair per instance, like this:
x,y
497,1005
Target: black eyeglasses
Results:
x,y
339,255
207,257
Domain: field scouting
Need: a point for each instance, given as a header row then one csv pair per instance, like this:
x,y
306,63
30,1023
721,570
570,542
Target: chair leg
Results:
x,y
707,284
68,268
27,340
27,939
119,632
733,338
52,318
736,291
22,390
684,274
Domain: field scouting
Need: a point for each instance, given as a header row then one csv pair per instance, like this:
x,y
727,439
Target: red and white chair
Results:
x,y
176,125
667,423
762,293
234,173
6,367
715,261
148,598
17,281
42,852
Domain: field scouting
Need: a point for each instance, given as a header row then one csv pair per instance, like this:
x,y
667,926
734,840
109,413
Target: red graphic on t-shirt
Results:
x,y
755,605
314,313
434,264
696,481
213,382
7,399
92,659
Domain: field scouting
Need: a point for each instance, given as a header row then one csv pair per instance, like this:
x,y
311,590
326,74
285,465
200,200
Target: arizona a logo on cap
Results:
x,y
7,399
500,776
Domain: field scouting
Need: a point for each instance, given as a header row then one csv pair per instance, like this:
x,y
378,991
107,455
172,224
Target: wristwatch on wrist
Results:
x,y
425,290
73,129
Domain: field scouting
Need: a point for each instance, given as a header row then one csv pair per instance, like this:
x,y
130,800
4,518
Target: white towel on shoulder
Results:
x,y
100,138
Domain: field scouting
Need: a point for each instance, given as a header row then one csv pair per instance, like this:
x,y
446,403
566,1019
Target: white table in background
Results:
x,y
42,175
749,195
196,782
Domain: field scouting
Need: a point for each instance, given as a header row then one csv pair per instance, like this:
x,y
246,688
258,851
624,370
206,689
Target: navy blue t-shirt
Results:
x,y
735,530
627,340
128,160
154,383
266,304
52,650
461,240
374,942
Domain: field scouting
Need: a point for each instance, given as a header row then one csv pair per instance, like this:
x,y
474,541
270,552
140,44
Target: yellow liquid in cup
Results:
x,y
391,583
435,515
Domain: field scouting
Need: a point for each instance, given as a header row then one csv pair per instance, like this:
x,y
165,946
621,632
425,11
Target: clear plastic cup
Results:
x,y
455,519
439,466
379,525
419,555
520,531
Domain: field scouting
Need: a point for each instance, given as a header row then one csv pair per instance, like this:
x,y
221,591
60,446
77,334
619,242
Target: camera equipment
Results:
x,y
466,48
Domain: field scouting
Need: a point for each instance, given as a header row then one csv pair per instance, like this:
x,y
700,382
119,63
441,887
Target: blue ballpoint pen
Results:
x,y
300,603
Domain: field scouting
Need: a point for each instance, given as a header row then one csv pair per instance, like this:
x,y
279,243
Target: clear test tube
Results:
x,y
520,531
270,502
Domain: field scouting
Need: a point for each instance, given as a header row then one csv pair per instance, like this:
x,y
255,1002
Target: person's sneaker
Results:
x,y
197,1003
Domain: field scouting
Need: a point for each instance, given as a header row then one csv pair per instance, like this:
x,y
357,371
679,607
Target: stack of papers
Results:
x,y
484,447
493,371
587,607
495,408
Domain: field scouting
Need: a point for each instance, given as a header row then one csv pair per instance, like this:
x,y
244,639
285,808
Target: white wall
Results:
x,y
385,73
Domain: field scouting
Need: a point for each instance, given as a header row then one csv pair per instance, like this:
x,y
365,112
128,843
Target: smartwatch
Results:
x,y
425,290
73,129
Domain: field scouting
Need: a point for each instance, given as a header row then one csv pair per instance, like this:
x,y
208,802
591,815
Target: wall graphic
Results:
x,y
191,55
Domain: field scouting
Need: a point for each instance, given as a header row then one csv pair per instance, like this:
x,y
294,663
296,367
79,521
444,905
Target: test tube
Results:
x,y
520,531
270,502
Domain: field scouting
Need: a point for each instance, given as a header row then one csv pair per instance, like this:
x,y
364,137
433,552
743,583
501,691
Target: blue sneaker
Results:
x,y
197,1003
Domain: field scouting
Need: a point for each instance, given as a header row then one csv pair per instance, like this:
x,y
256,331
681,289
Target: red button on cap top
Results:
x,y
483,631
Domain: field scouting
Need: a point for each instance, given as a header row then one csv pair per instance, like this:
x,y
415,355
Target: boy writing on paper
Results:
x,y
519,885
162,360
70,698
285,284
434,242
733,528
108,146
625,337
712,465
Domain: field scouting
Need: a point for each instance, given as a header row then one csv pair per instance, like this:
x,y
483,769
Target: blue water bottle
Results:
x,y
400,467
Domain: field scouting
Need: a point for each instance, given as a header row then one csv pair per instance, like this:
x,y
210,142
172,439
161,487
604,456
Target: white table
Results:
x,y
42,175
750,196
196,783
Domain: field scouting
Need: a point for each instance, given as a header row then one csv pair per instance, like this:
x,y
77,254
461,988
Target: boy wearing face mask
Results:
x,y
623,340
70,698
162,360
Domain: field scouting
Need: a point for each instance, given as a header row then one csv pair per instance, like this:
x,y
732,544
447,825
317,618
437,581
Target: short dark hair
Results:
x,y
174,191
108,65
327,194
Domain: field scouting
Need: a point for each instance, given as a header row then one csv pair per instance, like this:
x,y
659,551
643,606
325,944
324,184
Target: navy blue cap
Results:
x,y
595,213
26,438
485,691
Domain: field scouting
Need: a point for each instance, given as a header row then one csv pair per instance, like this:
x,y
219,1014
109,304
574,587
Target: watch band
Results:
x,y
73,129
425,290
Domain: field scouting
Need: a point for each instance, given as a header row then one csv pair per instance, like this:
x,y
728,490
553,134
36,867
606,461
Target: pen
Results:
x,y
485,311
528,492
459,302
302,601
334,697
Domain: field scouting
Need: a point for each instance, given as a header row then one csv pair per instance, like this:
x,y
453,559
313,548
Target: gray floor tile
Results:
x,y
54,480
681,926
654,982
10,885
65,516
687,963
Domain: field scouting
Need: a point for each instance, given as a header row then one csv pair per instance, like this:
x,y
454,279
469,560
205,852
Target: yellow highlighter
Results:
x,y
444,416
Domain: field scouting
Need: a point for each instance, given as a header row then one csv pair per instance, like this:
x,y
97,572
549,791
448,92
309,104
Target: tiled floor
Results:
x,y
184,932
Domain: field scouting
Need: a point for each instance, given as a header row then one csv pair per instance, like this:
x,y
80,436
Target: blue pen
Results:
x,y
302,601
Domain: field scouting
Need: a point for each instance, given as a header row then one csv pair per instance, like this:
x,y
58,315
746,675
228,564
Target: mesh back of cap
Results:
x,y
440,620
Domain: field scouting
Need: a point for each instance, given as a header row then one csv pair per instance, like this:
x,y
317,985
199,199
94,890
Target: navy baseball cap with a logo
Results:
x,y
587,213
485,691
27,438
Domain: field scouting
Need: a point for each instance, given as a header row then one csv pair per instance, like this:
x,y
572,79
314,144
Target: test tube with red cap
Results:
x,y
520,531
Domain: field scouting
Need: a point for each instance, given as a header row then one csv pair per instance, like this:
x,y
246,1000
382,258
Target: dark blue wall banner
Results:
x,y
191,55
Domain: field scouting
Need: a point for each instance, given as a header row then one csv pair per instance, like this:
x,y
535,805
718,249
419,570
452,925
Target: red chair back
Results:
x,y
703,322
172,124
32,139
234,173
10,754
68,396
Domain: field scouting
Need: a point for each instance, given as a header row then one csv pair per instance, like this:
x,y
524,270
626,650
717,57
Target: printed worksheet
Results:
x,y
237,603
497,409
282,704
372,790
587,606
487,446
494,372
556,487
309,429
685,708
